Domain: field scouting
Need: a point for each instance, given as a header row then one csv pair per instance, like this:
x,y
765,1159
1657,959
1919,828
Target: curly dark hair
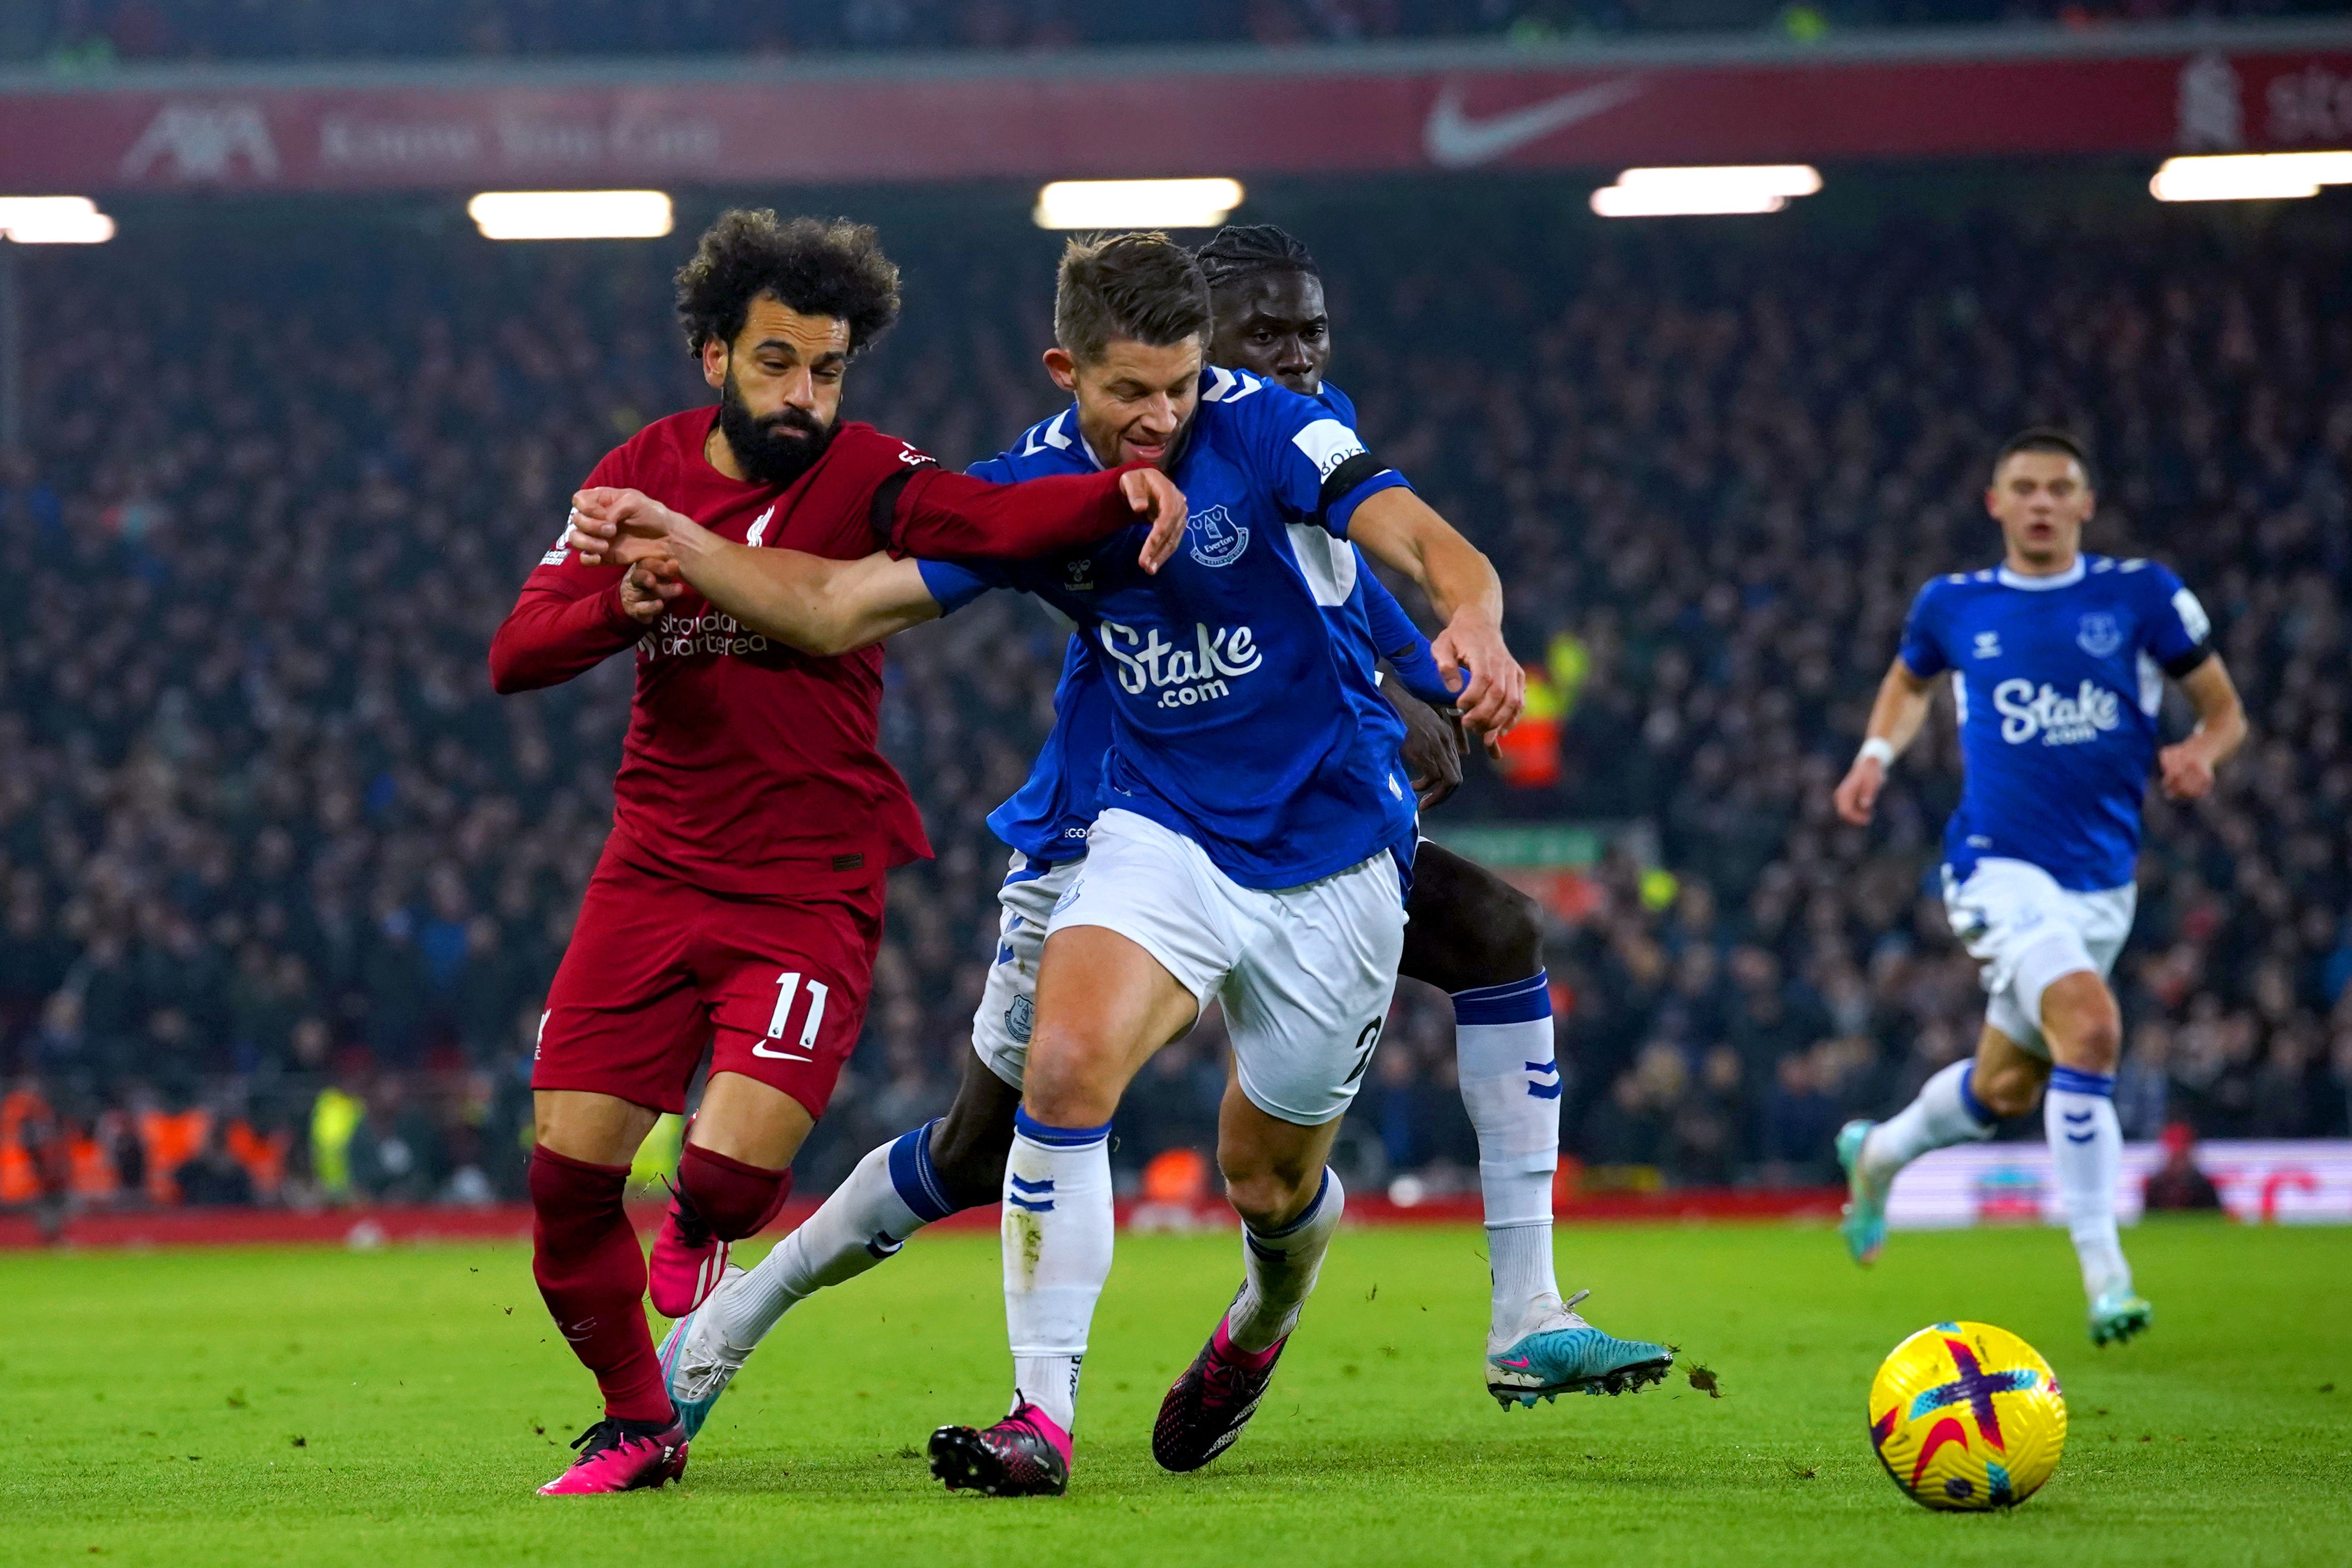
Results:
x,y
816,268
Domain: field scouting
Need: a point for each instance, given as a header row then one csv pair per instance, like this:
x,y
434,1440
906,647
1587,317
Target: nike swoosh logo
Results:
x,y
1454,141
759,1048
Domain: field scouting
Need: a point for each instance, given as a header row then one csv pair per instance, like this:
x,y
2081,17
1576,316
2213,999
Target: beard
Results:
x,y
774,450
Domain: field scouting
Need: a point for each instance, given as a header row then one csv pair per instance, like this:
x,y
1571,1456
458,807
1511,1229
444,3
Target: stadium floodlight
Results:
x,y
1137,204
54,220
572,215
1706,191
2250,176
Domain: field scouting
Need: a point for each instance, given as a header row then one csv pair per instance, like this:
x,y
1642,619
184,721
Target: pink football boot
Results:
x,y
622,1455
688,1261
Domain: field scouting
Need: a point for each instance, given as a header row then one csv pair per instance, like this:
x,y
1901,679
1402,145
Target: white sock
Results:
x,y
891,1194
1278,1269
1519,1260
1945,1111
1057,1234
2086,1148
1510,1086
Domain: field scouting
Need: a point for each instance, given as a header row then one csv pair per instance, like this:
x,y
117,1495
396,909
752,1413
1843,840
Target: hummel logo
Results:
x,y
1454,141
1988,645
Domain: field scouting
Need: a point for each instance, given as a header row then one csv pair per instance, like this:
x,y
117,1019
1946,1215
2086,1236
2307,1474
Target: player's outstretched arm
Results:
x,y
811,603
950,516
1896,716
2186,767
1398,528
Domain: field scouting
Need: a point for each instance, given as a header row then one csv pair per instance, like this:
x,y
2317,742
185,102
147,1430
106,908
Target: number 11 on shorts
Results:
x,y
788,987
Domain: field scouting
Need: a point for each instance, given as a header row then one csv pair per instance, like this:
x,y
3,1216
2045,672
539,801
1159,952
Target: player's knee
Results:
x,y
1508,941
733,1198
2080,1021
2013,1090
1268,1195
1072,1081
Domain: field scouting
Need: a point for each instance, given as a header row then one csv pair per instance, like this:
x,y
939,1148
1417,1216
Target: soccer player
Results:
x,y
738,900
1467,932
1249,850
2058,661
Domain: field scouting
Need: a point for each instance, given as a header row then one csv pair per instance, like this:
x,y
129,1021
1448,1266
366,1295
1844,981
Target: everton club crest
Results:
x,y
1217,539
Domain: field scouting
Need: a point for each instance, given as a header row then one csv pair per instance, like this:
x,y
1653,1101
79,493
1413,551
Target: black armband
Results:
x,y
2188,661
1339,482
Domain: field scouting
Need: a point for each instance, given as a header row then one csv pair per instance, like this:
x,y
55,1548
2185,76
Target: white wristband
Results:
x,y
1878,749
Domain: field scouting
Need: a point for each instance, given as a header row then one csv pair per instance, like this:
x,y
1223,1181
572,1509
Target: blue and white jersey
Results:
x,y
2058,681
1231,697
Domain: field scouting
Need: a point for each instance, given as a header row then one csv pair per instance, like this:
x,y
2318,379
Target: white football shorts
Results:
x,y
2027,931
1008,1006
1305,973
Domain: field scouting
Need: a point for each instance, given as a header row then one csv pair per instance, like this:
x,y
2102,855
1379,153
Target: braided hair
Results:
x,y
1245,251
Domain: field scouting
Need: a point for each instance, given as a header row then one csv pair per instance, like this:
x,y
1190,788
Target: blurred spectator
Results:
x,y
2177,1183
82,37
263,819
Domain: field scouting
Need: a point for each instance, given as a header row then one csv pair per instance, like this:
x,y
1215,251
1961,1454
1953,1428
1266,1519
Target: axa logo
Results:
x,y
2099,635
2028,713
1217,539
1149,664
204,141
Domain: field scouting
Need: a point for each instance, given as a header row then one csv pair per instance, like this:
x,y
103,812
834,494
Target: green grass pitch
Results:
x,y
324,1408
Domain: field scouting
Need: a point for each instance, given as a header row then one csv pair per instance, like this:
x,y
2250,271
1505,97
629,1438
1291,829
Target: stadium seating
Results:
x,y
85,35
282,881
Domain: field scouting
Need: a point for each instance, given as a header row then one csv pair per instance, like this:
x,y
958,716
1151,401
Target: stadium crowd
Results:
x,y
282,881
78,35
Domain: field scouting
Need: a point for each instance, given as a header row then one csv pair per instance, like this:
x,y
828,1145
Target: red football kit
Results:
x,y
739,899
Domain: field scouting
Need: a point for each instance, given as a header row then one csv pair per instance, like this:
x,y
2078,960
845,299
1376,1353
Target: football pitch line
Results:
x,y
322,1406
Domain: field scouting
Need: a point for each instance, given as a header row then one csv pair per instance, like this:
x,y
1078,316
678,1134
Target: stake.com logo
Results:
x,y
1183,675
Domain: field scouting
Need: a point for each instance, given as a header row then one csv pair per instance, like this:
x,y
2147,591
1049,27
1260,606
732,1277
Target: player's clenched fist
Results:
x,y
1857,792
621,527
1155,496
2185,772
649,585
1497,688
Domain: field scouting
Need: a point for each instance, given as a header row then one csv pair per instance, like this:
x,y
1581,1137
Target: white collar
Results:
x,y
2066,579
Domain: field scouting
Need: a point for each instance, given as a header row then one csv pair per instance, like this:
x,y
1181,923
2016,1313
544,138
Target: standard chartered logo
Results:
x,y
711,631
2027,713
1182,676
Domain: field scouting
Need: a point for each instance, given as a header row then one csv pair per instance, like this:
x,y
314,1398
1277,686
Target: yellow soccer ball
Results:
x,y
1966,1416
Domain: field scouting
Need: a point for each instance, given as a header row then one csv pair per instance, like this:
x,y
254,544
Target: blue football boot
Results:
x,y
1556,1352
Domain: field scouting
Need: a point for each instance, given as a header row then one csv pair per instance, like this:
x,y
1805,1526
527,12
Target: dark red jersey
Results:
x,y
750,768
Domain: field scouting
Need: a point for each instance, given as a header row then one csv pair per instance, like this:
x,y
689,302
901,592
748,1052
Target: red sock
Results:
x,y
733,1199
592,1276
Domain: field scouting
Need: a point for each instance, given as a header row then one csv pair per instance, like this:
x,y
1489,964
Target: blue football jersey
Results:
x,y
2058,681
1231,697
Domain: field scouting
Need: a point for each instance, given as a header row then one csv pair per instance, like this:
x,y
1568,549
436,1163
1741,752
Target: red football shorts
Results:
x,y
656,969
